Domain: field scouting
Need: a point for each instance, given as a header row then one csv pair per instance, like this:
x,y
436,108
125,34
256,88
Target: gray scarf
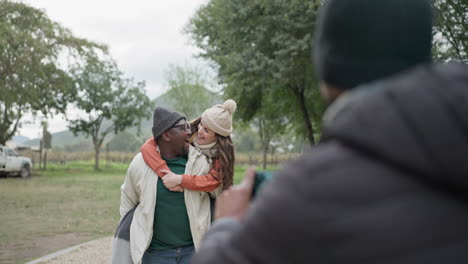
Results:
x,y
208,150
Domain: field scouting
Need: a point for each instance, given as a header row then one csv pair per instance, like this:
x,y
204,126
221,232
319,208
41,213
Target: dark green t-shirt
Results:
x,y
171,227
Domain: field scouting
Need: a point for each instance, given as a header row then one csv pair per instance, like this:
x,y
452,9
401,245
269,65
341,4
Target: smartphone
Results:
x,y
261,177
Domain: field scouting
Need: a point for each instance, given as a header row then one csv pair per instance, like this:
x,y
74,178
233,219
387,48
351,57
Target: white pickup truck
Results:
x,y
12,163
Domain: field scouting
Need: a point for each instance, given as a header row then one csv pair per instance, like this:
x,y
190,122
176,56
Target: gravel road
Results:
x,y
96,251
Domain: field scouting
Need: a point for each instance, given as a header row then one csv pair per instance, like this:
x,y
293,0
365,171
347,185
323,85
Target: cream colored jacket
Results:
x,y
139,187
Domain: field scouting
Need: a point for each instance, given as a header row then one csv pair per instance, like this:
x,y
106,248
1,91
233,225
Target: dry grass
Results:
x,y
63,206
54,204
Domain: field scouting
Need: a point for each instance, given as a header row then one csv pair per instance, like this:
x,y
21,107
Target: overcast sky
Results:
x,y
144,37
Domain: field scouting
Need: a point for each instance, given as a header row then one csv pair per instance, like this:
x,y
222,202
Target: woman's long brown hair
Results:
x,y
226,159
225,155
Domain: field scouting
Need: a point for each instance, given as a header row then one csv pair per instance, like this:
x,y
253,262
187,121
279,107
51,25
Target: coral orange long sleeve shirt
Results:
x,y
202,183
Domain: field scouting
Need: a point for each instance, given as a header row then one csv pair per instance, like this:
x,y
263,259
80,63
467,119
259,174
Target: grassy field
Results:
x,y
63,206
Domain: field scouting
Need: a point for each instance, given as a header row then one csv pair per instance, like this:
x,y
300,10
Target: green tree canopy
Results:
x,y
103,94
262,50
188,92
451,30
124,141
31,77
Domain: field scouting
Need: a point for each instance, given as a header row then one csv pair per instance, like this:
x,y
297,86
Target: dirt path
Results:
x,y
96,251
18,252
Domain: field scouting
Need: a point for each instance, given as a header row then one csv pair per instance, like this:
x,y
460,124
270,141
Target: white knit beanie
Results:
x,y
219,117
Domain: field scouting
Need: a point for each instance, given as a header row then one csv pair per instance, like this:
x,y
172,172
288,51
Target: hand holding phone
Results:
x,y
261,177
234,202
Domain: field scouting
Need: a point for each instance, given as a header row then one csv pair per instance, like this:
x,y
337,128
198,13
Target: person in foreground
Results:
x,y
388,183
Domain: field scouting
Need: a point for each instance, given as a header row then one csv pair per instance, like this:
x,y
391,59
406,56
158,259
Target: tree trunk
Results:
x,y
272,156
40,153
45,159
107,156
5,125
97,149
265,156
265,139
305,114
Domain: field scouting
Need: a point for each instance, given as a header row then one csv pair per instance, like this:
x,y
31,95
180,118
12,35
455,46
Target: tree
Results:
x,y
270,126
268,129
261,49
46,142
124,141
31,78
245,138
105,97
187,91
450,30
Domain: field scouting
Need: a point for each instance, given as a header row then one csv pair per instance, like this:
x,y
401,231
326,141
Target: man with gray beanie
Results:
x,y
388,182
159,231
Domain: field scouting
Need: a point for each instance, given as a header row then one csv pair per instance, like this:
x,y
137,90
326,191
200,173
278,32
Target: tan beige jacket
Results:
x,y
139,187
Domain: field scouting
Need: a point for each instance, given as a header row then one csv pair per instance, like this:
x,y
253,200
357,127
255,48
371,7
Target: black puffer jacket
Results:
x,y
389,184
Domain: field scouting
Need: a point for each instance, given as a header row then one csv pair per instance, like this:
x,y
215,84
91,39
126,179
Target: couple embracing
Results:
x,y
167,194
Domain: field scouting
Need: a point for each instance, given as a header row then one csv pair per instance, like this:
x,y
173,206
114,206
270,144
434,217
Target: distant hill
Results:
x,y
58,139
66,140
20,139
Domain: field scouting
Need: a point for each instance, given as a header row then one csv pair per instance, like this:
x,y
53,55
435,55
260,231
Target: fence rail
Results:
x,y
61,157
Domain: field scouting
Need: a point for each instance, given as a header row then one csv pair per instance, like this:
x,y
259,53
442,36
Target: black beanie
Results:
x,y
358,41
163,119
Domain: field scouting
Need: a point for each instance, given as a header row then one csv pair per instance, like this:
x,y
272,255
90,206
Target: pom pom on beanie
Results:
x,y
219,117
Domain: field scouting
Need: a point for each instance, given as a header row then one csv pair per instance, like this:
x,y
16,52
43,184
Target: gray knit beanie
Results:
x,y
164,119
219,117
358,41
